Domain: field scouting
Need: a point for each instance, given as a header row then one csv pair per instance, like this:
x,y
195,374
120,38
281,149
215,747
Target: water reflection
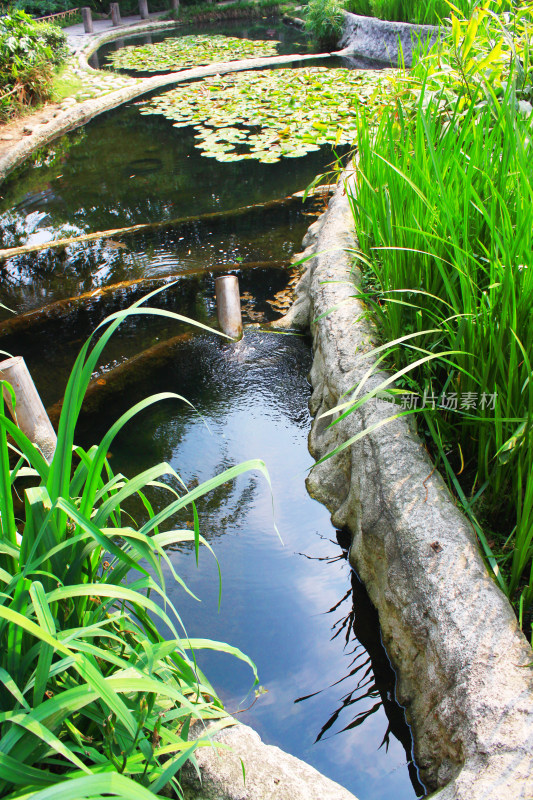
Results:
x,y
251,402
370,680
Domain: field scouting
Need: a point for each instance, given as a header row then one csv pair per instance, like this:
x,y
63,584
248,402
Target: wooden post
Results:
x,y
87,17
115,14
143,9
176,6
29,412
229,305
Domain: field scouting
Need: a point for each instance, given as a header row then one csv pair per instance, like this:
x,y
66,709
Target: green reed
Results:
x,y
94,700
444,216
427,12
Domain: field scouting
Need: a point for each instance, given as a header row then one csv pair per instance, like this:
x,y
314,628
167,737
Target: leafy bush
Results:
x,y
54,39
39,8
93,697
323,21
28,54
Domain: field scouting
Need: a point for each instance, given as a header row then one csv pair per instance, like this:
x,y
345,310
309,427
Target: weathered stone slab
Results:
x,y
271,774
384,41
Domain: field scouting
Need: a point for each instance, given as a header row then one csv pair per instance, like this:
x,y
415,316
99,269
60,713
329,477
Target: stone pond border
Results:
x,y
463,665
271,774
384,41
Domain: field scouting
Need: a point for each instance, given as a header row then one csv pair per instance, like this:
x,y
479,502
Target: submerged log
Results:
x,y
57,309
115,379
10,252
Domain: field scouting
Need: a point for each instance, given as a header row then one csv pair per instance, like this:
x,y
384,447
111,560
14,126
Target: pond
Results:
x,y
288,39
292,604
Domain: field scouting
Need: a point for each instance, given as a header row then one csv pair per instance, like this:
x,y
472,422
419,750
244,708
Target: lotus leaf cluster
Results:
x,y
269,115
189,51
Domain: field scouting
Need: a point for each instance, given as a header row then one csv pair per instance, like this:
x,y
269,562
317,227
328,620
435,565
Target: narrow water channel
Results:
x,y
292,604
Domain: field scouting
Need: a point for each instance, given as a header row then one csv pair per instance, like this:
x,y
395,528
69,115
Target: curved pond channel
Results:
x,y
294,607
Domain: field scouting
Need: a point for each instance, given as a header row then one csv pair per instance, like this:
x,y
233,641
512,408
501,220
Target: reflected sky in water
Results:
x,y
251,398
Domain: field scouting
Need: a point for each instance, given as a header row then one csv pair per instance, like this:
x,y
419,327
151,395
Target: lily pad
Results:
x,y
172,55
270,114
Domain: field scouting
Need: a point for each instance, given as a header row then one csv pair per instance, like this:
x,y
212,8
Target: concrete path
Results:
x,y
77,37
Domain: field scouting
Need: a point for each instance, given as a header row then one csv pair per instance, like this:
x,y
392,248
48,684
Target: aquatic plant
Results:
x,y
189,51
323,21
269,115
94,697
427,12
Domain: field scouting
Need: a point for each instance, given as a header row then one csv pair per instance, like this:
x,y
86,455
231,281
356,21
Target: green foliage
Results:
x,y
444,217
38,8
54,40
189,51
209,12
28,54
362,7
93,697
483,54
279,113
323,22
422,12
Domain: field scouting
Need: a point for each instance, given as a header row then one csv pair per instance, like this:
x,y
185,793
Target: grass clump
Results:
x,y
65,84
421,12
323,22
444,217
98,679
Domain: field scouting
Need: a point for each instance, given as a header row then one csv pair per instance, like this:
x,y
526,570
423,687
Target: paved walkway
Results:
x,y
77,37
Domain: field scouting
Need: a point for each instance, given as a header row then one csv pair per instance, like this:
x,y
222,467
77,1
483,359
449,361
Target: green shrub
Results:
x,y
323,21
54,39
28,54
93,696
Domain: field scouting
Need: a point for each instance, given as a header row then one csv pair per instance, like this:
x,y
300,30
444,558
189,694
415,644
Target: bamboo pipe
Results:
x,y
229,305
22,322
29,412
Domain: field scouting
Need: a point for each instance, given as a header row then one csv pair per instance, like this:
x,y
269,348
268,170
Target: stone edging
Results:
x,y
464,668
271,774
382,41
